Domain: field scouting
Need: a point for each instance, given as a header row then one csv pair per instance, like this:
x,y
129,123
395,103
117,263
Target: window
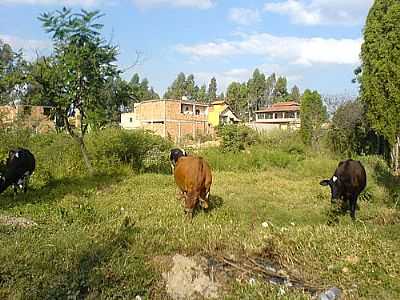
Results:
x,y
290,115
197,112
130,120
27,110
279,115
47,111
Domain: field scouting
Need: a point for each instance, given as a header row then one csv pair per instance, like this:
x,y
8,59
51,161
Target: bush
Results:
x,y
236,137
58,156
143,150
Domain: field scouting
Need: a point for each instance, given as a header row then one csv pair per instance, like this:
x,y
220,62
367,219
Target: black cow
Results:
x,y
18,168
347,183
175,155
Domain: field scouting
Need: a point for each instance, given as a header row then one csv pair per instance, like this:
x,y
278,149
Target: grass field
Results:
x,y
102,236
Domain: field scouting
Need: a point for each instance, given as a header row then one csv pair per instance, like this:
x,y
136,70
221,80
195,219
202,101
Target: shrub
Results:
x,y
143,150
236,137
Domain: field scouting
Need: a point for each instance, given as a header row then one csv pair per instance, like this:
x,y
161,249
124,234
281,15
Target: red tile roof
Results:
x,y
281,106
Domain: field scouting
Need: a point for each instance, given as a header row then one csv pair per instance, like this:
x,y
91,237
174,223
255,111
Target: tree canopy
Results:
x,y
380,77
312,114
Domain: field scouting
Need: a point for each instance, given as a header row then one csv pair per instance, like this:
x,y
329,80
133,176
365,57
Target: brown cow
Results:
x,y
193,178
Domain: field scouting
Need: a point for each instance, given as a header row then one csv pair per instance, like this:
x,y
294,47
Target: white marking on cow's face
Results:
x,y
17,154
334,178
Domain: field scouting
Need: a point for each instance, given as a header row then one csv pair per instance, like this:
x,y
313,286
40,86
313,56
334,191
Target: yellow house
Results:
x,y
220,113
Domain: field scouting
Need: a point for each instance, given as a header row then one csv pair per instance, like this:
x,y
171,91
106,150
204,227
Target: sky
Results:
x,y
314,43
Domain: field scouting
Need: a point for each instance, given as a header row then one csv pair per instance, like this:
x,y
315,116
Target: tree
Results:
x,y
141,90
236,97
13,70
280,91
178,88
80,66
212,90
312,116
348,132
295,94
269,89
202,94
190,87
380,72
256,91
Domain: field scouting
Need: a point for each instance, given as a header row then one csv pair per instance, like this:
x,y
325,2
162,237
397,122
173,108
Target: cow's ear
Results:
x,y
324,182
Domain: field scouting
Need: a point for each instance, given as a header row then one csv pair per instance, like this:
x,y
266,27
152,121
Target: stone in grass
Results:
x,y
18,222
186,280
331,294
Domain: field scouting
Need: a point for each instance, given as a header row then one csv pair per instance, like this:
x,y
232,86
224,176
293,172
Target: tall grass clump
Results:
x,y
243,150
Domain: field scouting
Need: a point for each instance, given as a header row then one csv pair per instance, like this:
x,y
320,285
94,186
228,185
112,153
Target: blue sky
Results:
x,y
314,43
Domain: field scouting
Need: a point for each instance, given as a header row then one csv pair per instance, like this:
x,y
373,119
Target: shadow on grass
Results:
x,y
385,178
56,189
93,276
215,202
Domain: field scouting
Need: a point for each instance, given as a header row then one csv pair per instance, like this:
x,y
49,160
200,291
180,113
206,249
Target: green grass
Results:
x,y
98,237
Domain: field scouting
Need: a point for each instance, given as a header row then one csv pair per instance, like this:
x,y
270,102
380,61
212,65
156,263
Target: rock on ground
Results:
x,y
16,222
186,280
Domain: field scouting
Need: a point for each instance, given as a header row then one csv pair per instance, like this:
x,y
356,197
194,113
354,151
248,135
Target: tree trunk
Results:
x,y
395,155
396,162
85,155
80,141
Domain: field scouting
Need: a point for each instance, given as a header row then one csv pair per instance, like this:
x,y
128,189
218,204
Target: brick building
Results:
x,y
282,115
36,118
169,118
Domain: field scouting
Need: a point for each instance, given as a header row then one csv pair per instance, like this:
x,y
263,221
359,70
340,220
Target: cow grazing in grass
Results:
x,y
16,171
348,181
193,178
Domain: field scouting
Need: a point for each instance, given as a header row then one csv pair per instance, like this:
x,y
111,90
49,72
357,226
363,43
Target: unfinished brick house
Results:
x,y
169,118
36,118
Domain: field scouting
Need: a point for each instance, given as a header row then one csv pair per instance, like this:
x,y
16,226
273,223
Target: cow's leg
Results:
x,y
204,196
15,186
353,204
191,200
180,195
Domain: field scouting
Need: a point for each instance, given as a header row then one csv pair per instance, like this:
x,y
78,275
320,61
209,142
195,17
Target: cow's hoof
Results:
x,y
189,213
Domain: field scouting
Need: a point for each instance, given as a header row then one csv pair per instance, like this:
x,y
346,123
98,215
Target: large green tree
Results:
x,y
178,88
256,90
380,72
13,70
80,67
280,91
236,97
312,115
295,94
212,90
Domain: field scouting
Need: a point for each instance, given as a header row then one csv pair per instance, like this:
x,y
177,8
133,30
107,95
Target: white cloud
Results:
x,y
244,16
322,12
56,2
200,4
29,47
293,50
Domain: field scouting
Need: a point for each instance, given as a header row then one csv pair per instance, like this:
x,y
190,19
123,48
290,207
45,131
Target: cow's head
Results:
x,y
175,155
335,184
